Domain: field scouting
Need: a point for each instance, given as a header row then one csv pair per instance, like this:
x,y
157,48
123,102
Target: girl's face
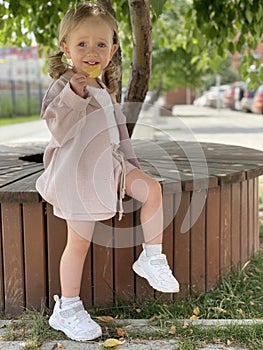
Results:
x,y
90,43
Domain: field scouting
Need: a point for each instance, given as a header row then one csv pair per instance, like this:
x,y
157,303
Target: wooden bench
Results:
x,y
224,236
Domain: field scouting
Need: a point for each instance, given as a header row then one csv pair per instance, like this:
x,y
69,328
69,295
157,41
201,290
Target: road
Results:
x,y
32,132
203,124
187,123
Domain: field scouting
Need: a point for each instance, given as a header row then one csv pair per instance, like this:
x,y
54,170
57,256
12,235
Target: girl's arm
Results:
x,y
62,109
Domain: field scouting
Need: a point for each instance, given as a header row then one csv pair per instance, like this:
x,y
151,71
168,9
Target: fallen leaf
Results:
x,y
120,331
216,340
154,318
229,342
22,331
219,309
194,317
106,318
138,310
58,346
196,311
172,330
185,324
111,343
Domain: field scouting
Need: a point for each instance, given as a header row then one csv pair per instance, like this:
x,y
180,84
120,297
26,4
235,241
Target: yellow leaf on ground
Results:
x,y
185,324
154,318
196,311
172,330
111,343
228,343
106,318
194,317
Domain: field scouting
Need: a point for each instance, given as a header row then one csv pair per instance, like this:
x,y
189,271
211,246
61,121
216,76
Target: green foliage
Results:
x,y
190,38
228,26
6,109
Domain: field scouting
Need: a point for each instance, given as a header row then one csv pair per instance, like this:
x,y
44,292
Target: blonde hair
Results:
x,y
57,66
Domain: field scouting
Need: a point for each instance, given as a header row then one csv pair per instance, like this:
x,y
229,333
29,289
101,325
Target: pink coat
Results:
x,y
79,178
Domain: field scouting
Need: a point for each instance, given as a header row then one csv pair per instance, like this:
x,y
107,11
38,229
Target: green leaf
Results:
x,y
231,47
157,7
249,16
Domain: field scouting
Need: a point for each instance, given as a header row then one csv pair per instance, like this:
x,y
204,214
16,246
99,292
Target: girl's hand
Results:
x,y
79,83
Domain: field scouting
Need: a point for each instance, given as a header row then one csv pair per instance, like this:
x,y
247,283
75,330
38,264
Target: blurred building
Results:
x,y
21,65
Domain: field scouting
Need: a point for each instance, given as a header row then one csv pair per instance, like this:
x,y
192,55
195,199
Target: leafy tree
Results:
x,y
189,37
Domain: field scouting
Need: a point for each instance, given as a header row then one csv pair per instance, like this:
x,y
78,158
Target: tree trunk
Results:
x,y
117,59
141,62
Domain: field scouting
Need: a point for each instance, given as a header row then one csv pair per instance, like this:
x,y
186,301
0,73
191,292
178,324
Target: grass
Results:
x,y
237,296
16,120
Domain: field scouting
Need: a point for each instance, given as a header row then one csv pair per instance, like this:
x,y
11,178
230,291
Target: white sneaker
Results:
x,y
74,321
157,272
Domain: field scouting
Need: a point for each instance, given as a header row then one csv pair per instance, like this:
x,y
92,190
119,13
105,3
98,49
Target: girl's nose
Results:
x,y
92,52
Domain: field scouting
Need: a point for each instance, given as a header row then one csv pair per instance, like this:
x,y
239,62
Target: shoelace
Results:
x,y
82,315
163,267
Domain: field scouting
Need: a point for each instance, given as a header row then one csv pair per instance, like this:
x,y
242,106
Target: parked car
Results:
x,y
201,101
257,106
247,101
215,94
233,95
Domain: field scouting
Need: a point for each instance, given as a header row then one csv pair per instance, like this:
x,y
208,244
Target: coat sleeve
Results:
x,y
62,109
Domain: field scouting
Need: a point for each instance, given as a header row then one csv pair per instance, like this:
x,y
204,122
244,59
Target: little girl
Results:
x,y
90,159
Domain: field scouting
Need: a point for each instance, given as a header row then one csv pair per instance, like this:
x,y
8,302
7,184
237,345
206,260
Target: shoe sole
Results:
x,y
136,268
56,326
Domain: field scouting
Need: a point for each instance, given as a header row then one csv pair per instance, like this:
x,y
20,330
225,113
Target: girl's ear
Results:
x,y
65,49
113,50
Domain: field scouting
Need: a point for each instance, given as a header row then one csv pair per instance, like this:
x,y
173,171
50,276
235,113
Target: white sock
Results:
x,y
67,301
152,249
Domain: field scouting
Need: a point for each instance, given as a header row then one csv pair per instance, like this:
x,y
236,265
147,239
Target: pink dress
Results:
x,y
82,175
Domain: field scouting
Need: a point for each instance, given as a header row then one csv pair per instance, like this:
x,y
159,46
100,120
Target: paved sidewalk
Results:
x,y
136,344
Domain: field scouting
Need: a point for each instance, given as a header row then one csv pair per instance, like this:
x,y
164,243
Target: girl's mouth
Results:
x,y
91,63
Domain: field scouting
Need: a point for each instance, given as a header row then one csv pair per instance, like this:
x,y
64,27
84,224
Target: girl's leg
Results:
x,y
147,191
151,264
69,315
72,261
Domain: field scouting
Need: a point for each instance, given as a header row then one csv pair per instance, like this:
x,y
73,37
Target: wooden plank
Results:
x,y
102,266
12,177
168,236
142,287
86,293
244,223
235,225
212,237
13,258
182,243
256,215
198,247
251,228
56,241
2,297
225,228
34,255
23,190
124,253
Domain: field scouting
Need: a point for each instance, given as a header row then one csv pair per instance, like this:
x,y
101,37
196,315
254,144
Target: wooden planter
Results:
x,y
224,236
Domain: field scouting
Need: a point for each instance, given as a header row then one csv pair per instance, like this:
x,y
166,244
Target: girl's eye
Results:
x,y
101,45
82,44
